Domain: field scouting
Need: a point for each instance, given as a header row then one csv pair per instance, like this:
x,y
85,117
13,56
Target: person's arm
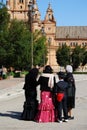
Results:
x,y
38,81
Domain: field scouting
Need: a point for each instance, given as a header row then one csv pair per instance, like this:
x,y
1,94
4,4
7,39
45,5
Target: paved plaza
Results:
x,y
11,106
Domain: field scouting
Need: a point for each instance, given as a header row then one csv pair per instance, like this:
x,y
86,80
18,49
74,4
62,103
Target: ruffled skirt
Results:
x,y
46,109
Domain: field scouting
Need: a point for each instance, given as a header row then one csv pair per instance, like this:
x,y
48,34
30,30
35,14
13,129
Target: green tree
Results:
x,y
77,56
18,45
84,58
63,55
15,43
40,49
4,22
4,18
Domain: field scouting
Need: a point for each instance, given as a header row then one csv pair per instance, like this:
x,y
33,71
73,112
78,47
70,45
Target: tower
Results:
x,y
34,16
49,25
18,9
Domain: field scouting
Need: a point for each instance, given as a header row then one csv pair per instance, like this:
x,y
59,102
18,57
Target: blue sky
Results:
x,y
66,12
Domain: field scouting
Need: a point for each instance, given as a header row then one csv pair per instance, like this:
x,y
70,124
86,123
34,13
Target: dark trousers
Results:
x,y
62,106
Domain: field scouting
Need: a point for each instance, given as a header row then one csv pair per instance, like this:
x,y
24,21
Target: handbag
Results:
x,y
60,96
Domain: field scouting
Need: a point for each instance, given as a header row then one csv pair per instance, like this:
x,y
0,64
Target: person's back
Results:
x,y
71,85
31,103
30,82
61,86
44,82
60,90
46,106
70,91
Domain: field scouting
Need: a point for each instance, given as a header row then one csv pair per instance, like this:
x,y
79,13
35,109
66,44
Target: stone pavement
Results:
x,y
12,87
11,108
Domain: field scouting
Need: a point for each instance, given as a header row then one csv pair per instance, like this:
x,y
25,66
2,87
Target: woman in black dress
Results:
x,y
70,91
31,103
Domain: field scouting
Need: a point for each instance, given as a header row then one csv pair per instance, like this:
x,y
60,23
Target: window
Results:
x,y
63,43
59,44
49,16
85,43
71,44
82,43
49,28
21,1
35,16
20,7
76,43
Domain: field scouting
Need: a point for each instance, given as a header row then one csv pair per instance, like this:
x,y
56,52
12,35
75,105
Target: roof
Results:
x,y
71,32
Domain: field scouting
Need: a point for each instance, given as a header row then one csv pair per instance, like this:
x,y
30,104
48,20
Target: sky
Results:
x,y
66,12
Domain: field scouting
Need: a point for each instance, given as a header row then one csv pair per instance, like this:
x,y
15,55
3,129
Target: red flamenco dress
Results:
x,y
46,110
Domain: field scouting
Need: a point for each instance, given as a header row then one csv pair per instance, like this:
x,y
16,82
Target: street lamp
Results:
x,y
49,42
30,15
44,34
71,57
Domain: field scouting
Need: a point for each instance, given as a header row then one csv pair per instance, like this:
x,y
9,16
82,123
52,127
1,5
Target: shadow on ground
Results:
x,y
12,114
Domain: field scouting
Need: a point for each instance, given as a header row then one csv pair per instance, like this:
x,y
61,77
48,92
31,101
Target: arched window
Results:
x,y
59,44
35,16
49,16
71,44
85,43
20,7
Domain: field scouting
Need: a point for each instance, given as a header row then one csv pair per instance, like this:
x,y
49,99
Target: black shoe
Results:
x,y
70,117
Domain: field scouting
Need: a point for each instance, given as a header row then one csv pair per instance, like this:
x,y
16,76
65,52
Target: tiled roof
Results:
x,y
71,32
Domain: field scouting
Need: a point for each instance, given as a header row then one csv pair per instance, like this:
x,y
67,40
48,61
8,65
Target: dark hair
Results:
x,y
61,75
48,69
34,72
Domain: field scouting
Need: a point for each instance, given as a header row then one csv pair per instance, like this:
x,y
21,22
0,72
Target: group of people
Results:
x,y
55,97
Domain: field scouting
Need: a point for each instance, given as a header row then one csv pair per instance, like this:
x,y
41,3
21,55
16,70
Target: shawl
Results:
x,y
51,79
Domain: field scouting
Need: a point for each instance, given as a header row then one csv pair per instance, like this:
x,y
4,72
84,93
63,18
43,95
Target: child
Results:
x,y
60,90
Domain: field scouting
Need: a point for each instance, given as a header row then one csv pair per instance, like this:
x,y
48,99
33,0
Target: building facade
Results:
x,y
56,35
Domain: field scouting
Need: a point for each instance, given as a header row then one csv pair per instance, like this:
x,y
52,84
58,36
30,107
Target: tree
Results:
x,y
15,43
84,58
63,55
40,49
4,22
19,45
77,56
17,48
4,18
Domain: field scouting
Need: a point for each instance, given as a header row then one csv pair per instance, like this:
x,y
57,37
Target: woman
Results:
x,y
70,91
46,106
31,104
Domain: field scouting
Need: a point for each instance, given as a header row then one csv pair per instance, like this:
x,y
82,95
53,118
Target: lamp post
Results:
x,y
49,42
44,34
30,15
71,57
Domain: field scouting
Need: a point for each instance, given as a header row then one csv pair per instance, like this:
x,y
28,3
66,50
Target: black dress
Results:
x,y
71,90
31,103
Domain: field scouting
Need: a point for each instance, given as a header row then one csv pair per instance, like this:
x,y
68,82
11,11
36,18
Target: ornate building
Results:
x,y
56,35
18,9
